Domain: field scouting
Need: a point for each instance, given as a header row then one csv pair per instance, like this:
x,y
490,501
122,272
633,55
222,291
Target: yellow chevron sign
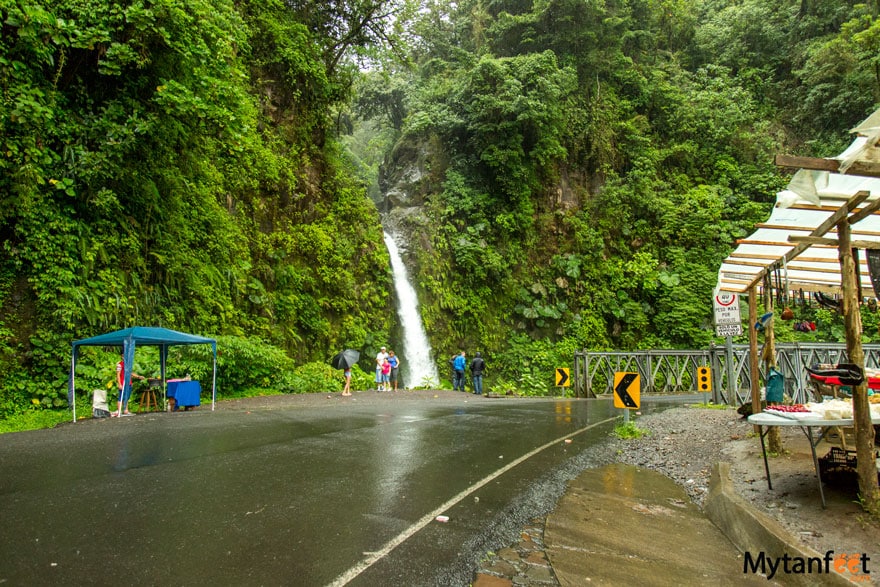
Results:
x,y
562,378
627,390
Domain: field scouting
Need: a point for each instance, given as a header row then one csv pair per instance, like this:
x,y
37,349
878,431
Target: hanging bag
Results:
x,y
775,386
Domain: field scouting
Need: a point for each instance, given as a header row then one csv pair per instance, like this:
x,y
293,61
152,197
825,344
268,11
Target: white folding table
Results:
x,y
764,421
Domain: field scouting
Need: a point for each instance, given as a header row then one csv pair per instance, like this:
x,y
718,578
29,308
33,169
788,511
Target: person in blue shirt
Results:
x,y
458,367
395,369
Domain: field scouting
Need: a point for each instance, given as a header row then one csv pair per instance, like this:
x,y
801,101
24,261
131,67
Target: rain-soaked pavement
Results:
x,y
318,491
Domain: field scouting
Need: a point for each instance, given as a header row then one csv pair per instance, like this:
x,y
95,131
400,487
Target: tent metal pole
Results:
x,y
128,348
214,381
73,382
163,358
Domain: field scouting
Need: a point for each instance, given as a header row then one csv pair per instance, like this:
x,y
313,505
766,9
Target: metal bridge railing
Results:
x,y
674,371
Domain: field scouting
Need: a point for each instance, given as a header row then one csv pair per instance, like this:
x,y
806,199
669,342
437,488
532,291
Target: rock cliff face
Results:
x,y
406,181
414,171
401,179
413,211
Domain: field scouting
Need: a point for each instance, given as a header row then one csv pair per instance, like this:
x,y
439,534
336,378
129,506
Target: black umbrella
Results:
x,y
345,359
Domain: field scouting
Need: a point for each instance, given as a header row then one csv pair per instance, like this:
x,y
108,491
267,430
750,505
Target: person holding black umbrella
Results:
x,y
345,360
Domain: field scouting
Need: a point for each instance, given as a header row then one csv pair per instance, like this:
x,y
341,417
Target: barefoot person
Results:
x,y
347,374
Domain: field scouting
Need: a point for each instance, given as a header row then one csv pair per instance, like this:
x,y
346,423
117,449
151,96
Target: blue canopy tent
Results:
x,y
128,339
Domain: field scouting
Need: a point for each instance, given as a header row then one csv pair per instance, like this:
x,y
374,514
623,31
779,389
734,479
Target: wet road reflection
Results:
x,y
273,497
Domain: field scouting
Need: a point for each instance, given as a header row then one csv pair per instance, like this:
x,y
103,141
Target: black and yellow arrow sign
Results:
x,y
627,388
562,378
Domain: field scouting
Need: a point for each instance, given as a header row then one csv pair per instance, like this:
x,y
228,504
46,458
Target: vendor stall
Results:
x,y
128,339
816,420
810,237
812,243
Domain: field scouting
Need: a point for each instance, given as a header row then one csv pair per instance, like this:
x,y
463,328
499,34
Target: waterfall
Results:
x,y
417,367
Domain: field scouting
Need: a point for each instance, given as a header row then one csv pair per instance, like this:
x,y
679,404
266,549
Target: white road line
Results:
x,y
376,556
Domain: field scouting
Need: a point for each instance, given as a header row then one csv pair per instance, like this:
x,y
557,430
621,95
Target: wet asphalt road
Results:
x,y
294,491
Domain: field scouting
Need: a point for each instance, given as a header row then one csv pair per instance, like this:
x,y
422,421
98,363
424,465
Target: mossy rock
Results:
x,y
745,410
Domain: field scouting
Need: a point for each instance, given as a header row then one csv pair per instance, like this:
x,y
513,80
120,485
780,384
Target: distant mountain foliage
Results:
x,y
205,166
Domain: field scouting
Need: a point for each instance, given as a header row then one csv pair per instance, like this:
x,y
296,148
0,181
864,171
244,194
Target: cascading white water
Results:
x,y
417,367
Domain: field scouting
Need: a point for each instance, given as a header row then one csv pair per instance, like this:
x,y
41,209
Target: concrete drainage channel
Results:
x,y
597,535
755,533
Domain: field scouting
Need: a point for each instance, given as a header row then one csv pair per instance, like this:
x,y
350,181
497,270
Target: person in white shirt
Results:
x,y
380,360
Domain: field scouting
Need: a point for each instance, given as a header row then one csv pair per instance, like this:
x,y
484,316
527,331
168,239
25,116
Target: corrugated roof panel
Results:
x,y
803,265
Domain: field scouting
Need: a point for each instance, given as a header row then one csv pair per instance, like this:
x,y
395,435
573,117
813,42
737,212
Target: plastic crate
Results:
x,y
838,460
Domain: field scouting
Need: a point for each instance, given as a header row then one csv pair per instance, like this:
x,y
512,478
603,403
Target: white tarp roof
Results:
x,y
812,198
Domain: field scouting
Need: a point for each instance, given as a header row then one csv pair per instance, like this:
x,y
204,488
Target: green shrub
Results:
x,y
531,364
315,377
36,419
361,380
242,363
629,431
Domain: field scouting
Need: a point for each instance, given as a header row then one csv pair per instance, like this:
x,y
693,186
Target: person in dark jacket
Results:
x,y
478,367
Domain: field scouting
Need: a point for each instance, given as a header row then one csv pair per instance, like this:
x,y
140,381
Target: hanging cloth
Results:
x,y
775,386
785,283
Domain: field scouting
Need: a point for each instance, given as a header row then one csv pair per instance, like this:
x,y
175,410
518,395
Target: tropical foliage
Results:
x,y
172,163
591,163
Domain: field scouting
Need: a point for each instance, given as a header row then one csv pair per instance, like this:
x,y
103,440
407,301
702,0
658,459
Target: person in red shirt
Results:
x,y
120,382
386,374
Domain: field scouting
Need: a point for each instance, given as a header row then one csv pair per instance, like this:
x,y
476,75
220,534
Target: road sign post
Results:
x,y
728,321
627,392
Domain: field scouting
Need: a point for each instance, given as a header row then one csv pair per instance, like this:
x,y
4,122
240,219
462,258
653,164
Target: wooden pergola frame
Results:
x,y
840,224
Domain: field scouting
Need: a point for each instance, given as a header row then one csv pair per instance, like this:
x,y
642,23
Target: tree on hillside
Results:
x,y
359,29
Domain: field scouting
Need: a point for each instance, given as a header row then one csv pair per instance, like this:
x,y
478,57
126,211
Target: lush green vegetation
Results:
x,y
589,164
208,167
173,163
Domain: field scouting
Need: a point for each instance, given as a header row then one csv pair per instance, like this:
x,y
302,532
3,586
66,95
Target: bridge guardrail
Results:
x,y
674,371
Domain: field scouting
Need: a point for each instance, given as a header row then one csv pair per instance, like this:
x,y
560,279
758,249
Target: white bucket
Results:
x,y
99,399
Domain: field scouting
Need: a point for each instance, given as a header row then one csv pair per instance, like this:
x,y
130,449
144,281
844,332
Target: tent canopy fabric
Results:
x,y
128,339
144,335
796,246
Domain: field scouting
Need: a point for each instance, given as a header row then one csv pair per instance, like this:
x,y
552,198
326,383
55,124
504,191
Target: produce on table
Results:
x,y
788,408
